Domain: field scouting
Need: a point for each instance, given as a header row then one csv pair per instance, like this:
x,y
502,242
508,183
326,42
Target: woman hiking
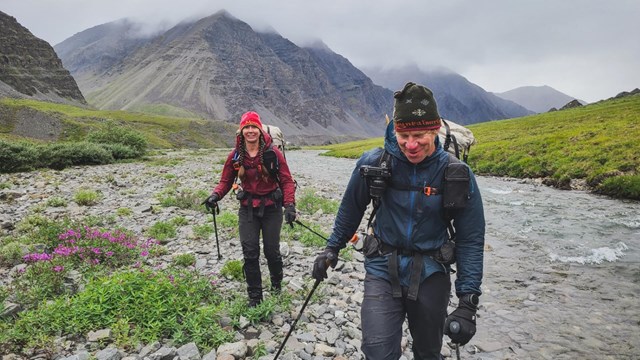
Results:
x,y
266,186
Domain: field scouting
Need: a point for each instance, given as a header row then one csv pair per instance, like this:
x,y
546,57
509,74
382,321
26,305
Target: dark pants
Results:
x,y
383,316
269,224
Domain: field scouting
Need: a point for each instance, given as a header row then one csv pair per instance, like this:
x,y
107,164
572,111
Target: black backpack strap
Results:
x,y
383,162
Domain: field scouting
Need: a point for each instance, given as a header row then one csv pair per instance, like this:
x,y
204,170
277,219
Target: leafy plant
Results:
x,y
184,260
183,198
162,231
179,221
124,212
233,269
160,304
87,197
203,231
12,252
309,202
125,142
56,201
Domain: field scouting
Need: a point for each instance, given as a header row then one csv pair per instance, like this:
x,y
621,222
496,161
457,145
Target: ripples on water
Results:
x,y
570,226
567,226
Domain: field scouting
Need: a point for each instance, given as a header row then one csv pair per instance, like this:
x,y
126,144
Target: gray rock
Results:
x,y
189,352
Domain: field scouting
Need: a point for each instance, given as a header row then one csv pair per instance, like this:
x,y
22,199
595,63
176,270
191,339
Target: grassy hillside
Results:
x,y
71,123
597,143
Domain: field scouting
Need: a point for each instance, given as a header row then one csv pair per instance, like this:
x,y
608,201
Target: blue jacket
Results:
x,y
412,220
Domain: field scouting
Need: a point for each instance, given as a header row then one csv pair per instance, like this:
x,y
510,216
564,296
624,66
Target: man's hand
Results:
x,y
328,257
460,325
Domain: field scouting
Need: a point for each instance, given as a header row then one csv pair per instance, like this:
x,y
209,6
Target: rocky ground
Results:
x,y
516,310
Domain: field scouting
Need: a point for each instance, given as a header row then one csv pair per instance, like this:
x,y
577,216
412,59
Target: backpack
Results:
x,y
277,138
457,135
455,186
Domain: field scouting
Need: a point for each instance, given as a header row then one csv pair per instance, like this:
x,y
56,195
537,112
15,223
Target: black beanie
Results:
x,y
415,108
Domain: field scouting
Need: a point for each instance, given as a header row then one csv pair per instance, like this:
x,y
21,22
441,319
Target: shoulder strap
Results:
x,y
449,138
383,162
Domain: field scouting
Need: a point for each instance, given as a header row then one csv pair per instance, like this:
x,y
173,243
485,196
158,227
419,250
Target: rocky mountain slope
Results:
x,y
30,68
218,68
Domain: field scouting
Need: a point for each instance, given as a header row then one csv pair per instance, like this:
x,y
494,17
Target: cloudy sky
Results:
x,y
587,49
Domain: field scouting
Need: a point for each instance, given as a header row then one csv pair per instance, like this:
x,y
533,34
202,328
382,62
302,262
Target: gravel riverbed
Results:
x,y
531,307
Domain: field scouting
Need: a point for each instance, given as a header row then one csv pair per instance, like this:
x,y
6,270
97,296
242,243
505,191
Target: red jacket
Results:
x,y
253,182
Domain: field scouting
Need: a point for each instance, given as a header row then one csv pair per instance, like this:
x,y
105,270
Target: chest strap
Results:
x,y
427,190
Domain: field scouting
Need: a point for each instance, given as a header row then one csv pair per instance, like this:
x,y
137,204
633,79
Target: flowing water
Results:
x,y
562,268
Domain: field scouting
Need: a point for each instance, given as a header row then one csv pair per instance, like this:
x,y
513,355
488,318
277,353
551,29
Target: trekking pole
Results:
x,y
454,327
215,228
315,285
310,229
293,326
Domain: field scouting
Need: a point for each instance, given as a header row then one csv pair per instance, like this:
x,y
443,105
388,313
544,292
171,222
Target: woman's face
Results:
x,y
417,145
251,134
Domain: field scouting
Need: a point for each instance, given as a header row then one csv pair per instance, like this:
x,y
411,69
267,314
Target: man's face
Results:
x,y
417,145
251,134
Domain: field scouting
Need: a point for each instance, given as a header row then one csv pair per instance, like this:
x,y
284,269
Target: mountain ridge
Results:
x,y
539,99
30,68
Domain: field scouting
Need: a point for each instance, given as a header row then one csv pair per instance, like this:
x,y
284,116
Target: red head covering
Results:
x,y
250,118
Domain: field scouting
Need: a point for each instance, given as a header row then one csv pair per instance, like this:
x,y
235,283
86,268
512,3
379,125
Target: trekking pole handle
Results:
x,y
454,327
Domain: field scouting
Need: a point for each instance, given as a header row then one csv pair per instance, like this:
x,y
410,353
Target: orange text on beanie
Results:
x,y
415,109
250,118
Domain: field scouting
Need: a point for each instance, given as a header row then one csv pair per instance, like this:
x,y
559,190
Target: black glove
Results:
x,y
211,202
290,214
328,257
460,325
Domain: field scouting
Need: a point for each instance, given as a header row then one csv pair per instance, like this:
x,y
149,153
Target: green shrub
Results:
x,y
233,269
114,133
183,198
62,155
15,157
227,219
203,231
56,201
120,151
309,203
12,253
162,231
179,221
87,197
184,260
627,186
124,212
172,303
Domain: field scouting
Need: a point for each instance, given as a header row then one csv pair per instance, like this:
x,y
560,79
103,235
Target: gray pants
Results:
x,y
383,315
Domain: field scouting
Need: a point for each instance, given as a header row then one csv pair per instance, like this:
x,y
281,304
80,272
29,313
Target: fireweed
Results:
x,y
85,249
